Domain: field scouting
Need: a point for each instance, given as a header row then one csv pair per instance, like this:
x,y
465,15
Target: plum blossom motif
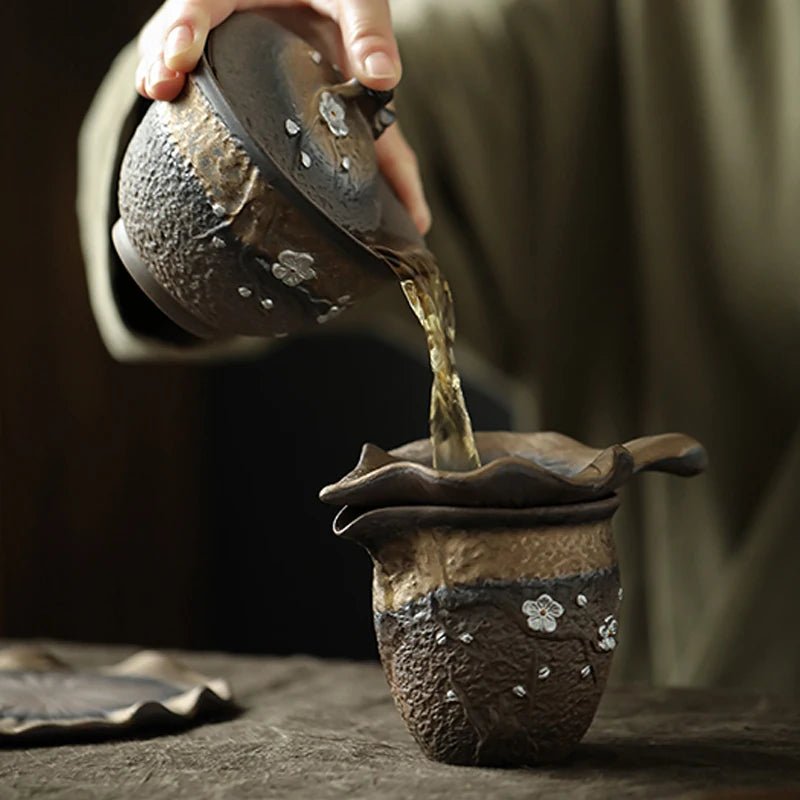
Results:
x,y
293,268
542,613
333,112
607,633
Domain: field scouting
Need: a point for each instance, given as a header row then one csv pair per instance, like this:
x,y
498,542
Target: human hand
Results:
x,y
171,43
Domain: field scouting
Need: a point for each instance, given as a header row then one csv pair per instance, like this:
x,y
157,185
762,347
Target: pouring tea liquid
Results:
x,y
428,293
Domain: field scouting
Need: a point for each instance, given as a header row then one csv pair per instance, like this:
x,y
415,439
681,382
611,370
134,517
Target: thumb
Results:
x,y
368,38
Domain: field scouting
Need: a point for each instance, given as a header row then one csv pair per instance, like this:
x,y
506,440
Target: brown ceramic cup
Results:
x,y
496,591
496,627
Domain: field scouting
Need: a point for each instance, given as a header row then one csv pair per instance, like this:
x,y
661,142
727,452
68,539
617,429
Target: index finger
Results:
x,y
369,41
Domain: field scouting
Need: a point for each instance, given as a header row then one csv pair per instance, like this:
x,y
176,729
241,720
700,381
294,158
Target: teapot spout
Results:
x,y
373,527
348,523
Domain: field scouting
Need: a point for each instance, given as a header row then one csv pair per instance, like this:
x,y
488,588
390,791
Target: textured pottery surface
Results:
x,y
41,697
496,592
519,470
252,203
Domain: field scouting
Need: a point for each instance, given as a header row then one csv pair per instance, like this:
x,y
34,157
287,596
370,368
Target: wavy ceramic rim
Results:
x,y
529,469
194,693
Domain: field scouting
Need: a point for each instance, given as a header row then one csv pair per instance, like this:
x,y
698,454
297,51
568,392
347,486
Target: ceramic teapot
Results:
x,y
253,203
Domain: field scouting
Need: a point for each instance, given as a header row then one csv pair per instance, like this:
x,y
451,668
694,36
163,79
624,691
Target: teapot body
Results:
x,y
253,203
214,244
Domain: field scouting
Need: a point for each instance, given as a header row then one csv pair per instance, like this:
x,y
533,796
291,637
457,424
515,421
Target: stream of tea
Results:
x,y
428,294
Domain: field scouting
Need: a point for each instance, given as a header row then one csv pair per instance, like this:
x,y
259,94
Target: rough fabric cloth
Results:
x,y
615,187
327,729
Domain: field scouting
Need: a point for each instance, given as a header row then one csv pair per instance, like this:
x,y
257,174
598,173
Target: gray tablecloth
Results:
x,y
323,729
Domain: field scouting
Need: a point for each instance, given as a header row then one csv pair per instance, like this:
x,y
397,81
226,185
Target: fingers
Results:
x,y
399,164
176,35
160,82
171,44
372,50
185,29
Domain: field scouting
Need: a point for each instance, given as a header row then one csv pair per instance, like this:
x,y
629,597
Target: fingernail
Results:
x,y
160,74
179,40
379,65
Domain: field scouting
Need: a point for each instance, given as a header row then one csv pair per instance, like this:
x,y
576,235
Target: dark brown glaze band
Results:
x,y
476,685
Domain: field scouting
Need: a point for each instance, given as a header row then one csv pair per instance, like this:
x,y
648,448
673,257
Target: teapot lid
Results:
x,y
310,132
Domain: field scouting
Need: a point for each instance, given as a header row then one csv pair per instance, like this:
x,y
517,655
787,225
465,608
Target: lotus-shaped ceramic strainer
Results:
x,y
496,591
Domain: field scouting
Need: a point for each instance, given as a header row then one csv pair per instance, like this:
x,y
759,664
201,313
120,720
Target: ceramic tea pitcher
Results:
x,y
496,591
253,203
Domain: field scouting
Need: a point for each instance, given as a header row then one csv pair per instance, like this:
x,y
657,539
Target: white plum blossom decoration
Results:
x,y
607,633
332,110
293,268
542,613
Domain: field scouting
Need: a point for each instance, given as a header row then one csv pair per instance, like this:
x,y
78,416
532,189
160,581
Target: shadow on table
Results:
x,y
735,761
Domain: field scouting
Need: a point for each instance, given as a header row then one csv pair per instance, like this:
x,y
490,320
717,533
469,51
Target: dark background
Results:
x,y
164,505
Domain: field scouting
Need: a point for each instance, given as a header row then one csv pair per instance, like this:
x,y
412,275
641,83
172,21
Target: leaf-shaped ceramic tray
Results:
x,y
520,470
41,697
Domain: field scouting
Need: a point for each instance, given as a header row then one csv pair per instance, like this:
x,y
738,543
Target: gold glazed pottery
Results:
x,y
496,591
253,203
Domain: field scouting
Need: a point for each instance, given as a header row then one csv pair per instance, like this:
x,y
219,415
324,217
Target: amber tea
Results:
x,y
428,294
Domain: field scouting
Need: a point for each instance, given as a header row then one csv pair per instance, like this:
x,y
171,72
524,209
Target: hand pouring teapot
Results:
x,y
253,203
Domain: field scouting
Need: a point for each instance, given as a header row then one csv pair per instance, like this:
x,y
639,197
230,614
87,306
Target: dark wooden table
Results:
x,y
317,729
